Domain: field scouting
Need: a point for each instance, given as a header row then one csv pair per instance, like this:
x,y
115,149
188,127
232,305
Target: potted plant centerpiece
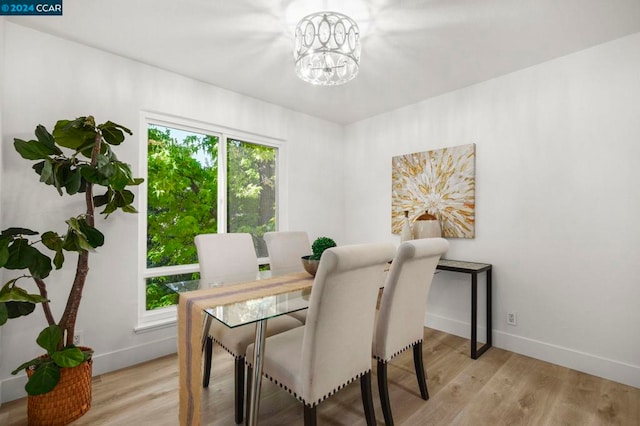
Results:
x,y
318,247
74,158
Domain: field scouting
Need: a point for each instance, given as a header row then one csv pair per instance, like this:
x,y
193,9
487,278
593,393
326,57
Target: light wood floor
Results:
x,y
500,388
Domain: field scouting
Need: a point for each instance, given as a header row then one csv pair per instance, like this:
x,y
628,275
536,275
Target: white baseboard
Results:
x,y
606,368
13,387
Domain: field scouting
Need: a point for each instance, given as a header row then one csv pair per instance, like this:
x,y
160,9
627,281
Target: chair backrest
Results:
x,y
404,300
285,250
336,345
226,258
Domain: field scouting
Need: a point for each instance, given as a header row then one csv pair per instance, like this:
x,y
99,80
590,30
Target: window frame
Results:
x,y
165,317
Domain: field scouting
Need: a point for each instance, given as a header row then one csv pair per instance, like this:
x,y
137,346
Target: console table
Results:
x,y
474,269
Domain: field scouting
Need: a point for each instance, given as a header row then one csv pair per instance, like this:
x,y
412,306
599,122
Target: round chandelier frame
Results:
x,y
327,48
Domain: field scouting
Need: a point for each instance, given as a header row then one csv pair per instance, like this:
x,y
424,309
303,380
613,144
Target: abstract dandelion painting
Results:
x,y
440,182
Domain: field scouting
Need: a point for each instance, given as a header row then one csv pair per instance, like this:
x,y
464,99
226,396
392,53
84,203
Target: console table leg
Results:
x,y
474,316
489,310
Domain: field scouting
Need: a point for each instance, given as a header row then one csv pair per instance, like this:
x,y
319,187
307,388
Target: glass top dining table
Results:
x,y
258,311
252,310
269,301
263,308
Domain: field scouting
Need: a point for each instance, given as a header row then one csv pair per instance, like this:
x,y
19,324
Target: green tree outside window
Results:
x,y
182,195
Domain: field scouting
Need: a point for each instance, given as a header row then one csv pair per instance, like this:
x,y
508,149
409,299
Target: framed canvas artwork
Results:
x,y
440,182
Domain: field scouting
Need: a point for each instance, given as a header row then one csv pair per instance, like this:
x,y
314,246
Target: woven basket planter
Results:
x,y
69,400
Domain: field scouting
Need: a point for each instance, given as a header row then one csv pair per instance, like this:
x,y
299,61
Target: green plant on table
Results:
x,y
320,245
74,158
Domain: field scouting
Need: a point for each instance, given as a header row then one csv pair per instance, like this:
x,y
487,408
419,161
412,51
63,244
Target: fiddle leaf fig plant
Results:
x,y
74,158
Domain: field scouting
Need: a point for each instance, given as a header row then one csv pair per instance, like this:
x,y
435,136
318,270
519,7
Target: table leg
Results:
x,y
205,329
489,307
474,316
475,352
256,380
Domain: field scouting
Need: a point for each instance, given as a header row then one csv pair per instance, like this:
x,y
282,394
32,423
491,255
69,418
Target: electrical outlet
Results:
x,y
512,319
77,338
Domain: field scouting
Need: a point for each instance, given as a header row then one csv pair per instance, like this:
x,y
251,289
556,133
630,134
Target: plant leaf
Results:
x,y
51,240
113,132
41,266
87,149
113,136
61,174
71,242
4,313
121,176
80,240
110,208
11,293
94,237
44,379
49,338
102,160
4,251
101,200
68,357
32,150
11,232
23,366
92,175
129,209
20,309
124,197
38,167
108,170
74,179
54,242
46,174
73,134
58,259
46,138
21,254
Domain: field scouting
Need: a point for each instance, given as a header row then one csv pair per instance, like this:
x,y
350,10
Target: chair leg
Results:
x,y
239,388
417,361
208,352
310,415
383,390
367,399
248,392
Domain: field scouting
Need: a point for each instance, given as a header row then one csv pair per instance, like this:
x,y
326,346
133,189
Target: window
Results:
x,y
200,179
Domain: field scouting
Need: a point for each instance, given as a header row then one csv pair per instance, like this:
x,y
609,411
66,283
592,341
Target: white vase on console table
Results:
x,y
426,226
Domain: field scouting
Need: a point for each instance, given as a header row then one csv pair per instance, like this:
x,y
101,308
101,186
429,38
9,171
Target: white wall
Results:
x,y
48,79
557,172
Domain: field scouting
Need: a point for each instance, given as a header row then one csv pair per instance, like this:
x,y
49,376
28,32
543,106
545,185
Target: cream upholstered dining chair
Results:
x,y
334,347
228,259
400,321
285,250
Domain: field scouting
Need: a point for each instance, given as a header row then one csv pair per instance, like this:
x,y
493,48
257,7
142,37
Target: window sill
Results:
x,y
155,325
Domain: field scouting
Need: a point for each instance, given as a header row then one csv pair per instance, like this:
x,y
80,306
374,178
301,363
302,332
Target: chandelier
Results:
x,y
327,49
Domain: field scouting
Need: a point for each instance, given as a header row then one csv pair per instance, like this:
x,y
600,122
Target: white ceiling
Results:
x,y
412,49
